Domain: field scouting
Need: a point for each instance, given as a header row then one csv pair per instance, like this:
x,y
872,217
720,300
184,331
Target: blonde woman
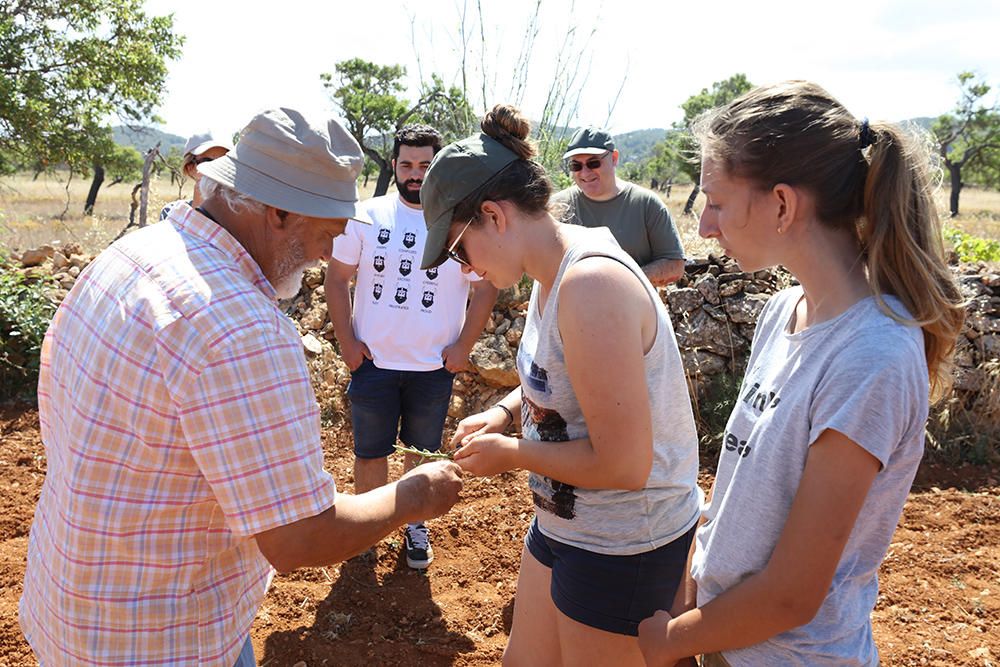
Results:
x,y
828,430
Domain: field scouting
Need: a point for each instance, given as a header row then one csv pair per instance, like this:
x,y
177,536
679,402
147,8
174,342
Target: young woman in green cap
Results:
x,y
608,432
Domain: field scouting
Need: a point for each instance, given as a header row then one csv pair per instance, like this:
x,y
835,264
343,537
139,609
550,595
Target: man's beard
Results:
x,y
289,269
411,196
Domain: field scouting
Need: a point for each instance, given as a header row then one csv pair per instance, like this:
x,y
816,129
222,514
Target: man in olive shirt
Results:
x,y
637,217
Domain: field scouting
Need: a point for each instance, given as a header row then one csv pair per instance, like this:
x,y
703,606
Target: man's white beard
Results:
x,y
289,270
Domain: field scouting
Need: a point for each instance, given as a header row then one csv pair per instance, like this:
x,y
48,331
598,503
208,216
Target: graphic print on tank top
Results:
x,y
548,425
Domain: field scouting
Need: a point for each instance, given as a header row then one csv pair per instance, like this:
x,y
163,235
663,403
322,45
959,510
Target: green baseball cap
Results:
x,y
458,170
589,141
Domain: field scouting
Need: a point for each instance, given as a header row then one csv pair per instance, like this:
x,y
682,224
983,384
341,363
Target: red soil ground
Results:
x,y
939,602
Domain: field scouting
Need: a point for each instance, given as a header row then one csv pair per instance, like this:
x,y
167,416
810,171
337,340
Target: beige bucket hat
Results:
x,y
285,160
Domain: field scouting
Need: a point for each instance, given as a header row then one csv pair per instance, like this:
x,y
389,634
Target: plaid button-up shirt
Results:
x,y
178,421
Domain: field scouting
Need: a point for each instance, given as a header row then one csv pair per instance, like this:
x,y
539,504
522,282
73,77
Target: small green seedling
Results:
x,y
424,454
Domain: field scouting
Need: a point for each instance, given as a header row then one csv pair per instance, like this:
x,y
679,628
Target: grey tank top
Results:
x,y
606,521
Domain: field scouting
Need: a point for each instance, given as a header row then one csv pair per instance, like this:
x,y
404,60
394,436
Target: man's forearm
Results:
x,y
347,528
664,271
338,305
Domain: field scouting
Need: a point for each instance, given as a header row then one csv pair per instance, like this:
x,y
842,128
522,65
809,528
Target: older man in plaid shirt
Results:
x,y
181,430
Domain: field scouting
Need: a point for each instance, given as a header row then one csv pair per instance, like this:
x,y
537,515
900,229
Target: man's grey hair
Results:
x,y
237,202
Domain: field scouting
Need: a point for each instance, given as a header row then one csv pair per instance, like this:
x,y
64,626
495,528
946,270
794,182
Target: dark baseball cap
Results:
x,y
589,141
458,170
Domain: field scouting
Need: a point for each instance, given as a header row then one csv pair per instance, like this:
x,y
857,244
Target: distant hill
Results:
x,y
637,145
144,138
924,122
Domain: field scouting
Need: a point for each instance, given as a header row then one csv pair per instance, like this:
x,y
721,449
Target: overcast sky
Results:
x,y
891,59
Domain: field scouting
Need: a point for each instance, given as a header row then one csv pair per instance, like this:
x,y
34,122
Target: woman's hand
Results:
x,y
653,640
493,420
488,454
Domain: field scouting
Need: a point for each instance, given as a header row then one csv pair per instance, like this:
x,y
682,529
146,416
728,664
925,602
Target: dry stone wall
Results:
x,y
714,308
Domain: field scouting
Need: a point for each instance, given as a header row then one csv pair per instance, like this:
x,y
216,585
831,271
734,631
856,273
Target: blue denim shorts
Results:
x,y
611,593
386,404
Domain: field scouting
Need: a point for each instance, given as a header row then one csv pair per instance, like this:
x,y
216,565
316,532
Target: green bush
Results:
x,y
25,312
713,401
965,427
971,248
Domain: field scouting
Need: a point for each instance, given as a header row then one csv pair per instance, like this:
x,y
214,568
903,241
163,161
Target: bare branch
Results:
x,y
464,38
520,83
618,94
413,42
482,49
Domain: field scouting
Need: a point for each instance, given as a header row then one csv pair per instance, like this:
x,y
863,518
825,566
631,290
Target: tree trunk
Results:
x,y
689,206
144,190
955,172
95,185
382,184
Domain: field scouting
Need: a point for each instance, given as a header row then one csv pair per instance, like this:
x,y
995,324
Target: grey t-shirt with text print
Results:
x,y
862,374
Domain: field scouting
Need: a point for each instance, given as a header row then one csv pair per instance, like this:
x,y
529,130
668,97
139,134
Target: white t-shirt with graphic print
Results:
x,y
404,315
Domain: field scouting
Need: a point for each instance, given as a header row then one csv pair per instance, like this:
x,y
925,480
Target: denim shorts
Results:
x,y
611,593
386,403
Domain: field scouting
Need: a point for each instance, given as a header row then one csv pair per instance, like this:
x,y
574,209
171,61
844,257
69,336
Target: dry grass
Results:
x,y
687,225
980,212
48,210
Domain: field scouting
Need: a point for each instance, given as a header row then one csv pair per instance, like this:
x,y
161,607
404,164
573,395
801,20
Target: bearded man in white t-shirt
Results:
x,y
409,331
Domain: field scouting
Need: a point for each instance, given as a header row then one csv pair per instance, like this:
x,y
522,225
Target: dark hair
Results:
x,y
523,182
416,135
797,133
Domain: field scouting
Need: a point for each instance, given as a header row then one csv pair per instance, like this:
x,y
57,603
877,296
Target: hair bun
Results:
x,y
507,124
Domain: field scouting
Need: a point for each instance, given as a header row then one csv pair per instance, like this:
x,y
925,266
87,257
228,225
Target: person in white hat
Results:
x,y
180,426
198,149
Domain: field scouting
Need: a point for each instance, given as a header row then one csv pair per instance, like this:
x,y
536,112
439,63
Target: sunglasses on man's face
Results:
x,y
454,251
199,160
592,164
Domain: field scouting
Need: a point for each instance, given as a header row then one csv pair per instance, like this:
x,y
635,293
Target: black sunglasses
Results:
x,y
592,164
453,250
199,160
